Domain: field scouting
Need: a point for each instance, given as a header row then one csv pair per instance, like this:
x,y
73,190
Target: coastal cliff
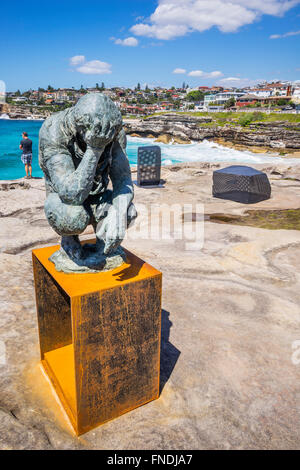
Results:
x,y
278,135
23,112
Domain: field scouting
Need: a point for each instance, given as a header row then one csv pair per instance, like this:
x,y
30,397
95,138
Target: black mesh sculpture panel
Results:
x,y
241,184
149,164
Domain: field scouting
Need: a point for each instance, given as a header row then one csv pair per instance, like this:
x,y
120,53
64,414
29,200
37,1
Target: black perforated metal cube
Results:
x,y
241,184
149,165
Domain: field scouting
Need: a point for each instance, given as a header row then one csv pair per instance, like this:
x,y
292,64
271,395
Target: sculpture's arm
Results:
x,y
120,176
114,226
73,186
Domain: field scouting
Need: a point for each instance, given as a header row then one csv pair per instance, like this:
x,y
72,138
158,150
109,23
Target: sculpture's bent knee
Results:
x,y
64,218
131,214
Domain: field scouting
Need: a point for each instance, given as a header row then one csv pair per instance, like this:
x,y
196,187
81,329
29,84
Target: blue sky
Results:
x,y
119,42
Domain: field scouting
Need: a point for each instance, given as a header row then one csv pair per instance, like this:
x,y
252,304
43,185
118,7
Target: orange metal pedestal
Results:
x,y
99,337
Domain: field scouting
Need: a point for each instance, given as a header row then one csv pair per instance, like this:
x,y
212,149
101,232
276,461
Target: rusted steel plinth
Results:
x,y
99,337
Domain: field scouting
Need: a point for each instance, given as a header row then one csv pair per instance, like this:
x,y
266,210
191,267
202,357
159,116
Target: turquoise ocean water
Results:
x,y
11,166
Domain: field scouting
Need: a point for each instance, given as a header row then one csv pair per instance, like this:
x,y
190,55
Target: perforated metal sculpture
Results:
x,y
241,184
149,165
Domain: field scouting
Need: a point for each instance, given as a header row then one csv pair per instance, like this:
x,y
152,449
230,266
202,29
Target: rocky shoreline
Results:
x,y
282,137
22,112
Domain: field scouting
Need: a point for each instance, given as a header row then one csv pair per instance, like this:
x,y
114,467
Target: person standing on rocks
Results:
x,y
26,146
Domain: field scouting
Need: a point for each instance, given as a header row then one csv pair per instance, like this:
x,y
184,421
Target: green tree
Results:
x,y
258,116
229,103
283,102
50,88
247,118
195,95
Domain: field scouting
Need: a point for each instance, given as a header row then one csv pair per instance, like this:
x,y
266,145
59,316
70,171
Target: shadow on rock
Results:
x,y
169,353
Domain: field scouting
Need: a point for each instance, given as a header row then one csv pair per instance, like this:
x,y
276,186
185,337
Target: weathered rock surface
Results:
x,y
230,317
274,135
164,138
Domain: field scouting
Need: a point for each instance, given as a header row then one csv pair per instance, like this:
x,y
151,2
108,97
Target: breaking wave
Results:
x,y
205,151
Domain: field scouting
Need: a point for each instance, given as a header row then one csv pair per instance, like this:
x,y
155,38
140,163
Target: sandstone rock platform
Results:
x,y
230,317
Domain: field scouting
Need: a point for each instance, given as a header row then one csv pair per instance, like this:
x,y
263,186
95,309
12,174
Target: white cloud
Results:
x,y
239,82
175,18
200,73
95,67
178,70
231,79
92,67
131,42
216,73
77,59
196,73
285,35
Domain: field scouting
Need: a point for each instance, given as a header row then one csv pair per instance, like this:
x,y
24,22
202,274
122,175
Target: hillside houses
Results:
x,y
147,101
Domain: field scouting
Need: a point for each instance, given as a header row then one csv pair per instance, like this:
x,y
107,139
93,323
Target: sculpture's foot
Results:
x,y
87,258
72,246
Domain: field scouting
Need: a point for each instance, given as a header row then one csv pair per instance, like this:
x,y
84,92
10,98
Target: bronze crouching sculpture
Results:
x,y
81,150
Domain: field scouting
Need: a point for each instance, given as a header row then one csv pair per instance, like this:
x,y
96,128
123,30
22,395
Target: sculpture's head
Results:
x,y
96,119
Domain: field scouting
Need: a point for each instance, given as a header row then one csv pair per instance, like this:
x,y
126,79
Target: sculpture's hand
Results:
x,y
100,134
113,229
95,141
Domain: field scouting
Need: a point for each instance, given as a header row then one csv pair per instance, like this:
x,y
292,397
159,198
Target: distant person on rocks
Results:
x,y
26,146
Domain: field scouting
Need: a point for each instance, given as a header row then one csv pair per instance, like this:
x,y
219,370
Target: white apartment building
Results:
x,y
20,99
296,95
261,92
221,98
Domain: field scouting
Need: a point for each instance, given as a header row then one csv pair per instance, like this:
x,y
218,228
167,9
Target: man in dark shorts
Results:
x,y
26,146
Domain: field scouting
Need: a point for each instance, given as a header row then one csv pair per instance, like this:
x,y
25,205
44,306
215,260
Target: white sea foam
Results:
x,y
167,162
206,151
